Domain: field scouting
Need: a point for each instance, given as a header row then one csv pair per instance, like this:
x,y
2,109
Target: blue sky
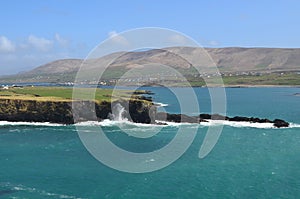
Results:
x,y
35,32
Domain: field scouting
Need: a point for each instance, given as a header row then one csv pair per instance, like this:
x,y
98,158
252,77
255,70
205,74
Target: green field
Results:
x,y
272,79
65,94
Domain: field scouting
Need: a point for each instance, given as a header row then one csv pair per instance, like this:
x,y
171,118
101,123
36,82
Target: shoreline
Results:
x,y
108,123
252,86
34,105
51,84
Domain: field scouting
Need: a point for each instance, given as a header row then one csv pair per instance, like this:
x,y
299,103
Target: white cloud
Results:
x,y
214,43
117,38
40,43
178,39
32,51
61,41
6,45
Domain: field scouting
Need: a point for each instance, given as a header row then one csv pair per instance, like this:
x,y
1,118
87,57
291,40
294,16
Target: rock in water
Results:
x,y
280,123
178,118
204,117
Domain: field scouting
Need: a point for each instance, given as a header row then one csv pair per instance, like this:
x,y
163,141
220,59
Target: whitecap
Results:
x,y
293,125
150,160
41,193
160,104
7,123
237,124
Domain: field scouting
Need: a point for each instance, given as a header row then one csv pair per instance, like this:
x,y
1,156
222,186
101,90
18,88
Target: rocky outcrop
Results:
x,y
204,117
249,119
136,110
213,116
280,123
140,111
178,118
35,111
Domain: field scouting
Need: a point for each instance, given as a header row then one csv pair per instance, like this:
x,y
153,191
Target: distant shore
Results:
x,y
46,84
254,86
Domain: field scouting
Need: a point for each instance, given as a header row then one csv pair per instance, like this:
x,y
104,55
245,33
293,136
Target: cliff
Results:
x,y
139,111
57,111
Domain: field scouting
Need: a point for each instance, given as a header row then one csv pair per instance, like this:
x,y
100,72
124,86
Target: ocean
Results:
x,y
248,161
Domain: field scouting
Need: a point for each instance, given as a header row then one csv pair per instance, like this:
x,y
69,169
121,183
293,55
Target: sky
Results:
x,y
35,32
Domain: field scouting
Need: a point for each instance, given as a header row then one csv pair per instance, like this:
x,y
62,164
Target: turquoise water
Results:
x,y
51,161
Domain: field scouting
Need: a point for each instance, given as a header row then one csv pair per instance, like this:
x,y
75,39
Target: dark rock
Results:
x,y
258,120
178,118
141,111
239,119
160,123
219,117
205,116
145,98
280,123
249,119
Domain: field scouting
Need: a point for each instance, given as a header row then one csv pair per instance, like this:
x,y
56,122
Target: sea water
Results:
x,y
248,161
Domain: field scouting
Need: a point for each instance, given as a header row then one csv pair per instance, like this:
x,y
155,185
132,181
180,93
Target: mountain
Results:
x,y
228,60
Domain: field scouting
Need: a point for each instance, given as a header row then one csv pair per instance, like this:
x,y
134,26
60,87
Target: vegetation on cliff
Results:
x,y
66,94
54,104
57,105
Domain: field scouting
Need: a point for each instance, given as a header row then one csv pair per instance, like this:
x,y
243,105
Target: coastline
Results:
x,y
260,86
51,104
71,112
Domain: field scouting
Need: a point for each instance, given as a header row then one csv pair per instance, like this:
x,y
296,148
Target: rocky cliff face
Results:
x,y
61,111
35,111
139,111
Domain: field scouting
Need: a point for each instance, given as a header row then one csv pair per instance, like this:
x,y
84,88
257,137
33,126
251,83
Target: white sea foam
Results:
x,y
88,123
293,125
161,104
108,123
237,124
35,191
7,123
118,112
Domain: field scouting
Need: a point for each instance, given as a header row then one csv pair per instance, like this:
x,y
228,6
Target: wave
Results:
x,y
238,124
7,123
246,124
293,125
34,191
111,123
160,104
108,123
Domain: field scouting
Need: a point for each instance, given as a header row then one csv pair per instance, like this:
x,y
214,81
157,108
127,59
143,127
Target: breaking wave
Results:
x,y
110,123
160,104
32,191
7,123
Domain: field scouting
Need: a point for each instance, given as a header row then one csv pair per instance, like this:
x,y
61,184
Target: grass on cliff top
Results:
x,y
64,94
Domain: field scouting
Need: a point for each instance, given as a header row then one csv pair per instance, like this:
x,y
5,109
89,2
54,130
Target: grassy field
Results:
x,y
289,79
272,79
63,94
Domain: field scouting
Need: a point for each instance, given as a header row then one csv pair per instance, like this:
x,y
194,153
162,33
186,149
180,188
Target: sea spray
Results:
x,y
118,112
